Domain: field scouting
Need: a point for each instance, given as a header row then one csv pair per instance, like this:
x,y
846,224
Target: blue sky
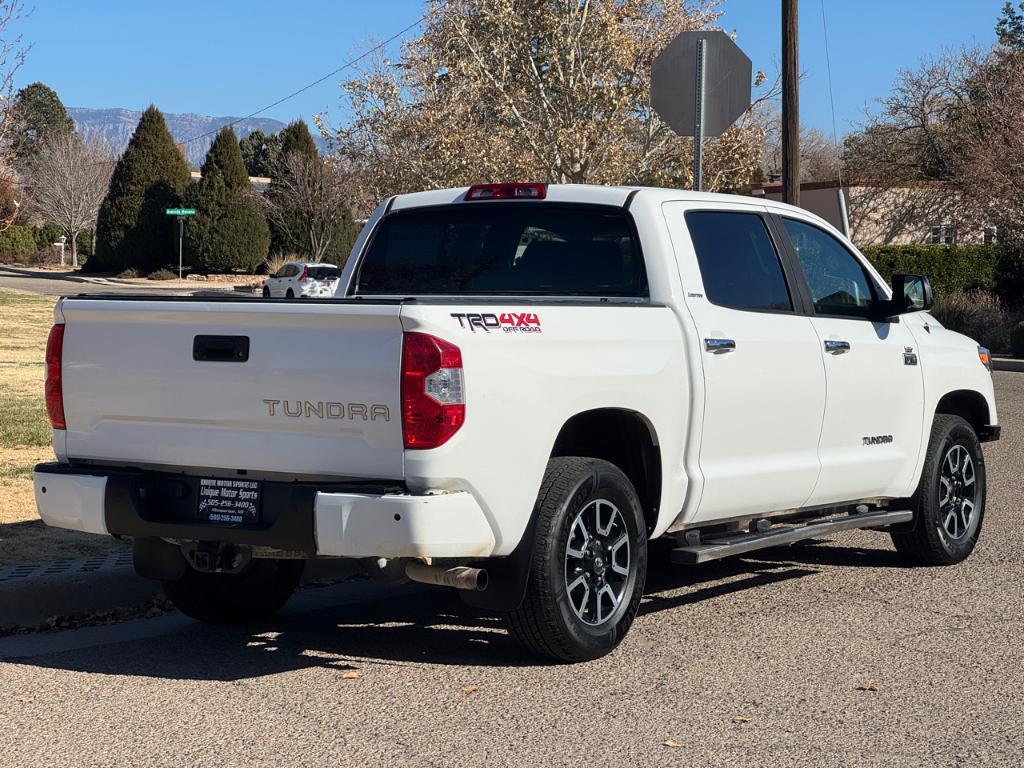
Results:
x,y
229,57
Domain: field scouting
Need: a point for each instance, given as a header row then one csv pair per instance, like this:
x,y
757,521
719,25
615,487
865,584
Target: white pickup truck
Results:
x,y
515,389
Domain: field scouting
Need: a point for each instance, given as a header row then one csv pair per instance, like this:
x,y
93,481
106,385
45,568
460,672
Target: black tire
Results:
x,y
224,598
290,293
938,510
548,622
266,292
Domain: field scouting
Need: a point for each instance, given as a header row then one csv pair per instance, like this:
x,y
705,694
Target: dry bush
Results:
x,y
278,260
978,314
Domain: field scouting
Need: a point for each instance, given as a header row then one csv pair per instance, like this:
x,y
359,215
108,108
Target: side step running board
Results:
x,y
726,545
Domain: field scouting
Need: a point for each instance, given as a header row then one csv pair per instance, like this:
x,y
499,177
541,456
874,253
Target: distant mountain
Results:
x,y
116,126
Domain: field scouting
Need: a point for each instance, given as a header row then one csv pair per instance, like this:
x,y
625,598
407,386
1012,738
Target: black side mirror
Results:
x,y
910,293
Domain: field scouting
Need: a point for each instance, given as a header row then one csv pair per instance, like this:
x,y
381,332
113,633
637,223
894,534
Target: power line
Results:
x,y
831,99
316,82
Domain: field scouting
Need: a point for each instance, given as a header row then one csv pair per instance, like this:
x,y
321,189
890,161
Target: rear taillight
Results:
x,y
433,396
54,385
305,274
530,191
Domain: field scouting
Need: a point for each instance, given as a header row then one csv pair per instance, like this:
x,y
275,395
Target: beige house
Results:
x,y
883,214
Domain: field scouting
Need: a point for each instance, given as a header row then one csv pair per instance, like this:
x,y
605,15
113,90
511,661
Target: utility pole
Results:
x,y
790,104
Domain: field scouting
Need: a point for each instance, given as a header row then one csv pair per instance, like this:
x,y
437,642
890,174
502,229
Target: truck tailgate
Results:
x,y
290,387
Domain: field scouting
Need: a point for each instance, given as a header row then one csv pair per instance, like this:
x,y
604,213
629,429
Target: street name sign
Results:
x,y
180,211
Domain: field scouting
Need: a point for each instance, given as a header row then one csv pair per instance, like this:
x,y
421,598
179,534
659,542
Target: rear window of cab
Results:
x,y
493,248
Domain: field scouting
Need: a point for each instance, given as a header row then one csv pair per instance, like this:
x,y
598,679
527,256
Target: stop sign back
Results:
x,y
727,73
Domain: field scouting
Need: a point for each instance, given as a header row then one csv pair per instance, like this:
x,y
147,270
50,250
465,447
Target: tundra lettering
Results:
x,y
329,410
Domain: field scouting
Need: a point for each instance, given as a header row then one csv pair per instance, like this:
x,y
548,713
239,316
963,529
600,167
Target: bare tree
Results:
x,y
12,56
819,155
308,201
555,91
988,163
67,182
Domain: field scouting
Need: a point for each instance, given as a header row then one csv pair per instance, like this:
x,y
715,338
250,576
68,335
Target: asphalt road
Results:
x,y
57,286
827,655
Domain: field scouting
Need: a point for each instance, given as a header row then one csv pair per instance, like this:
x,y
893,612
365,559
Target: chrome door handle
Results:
x,y
719,346
836,347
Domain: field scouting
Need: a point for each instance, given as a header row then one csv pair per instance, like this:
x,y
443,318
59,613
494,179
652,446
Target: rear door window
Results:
x,y
738,262
490,248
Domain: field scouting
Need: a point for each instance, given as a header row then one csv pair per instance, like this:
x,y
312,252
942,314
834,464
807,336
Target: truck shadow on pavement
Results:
x,y
429,626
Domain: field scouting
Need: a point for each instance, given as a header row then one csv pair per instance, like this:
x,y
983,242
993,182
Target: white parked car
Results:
x,y
298,280
517,387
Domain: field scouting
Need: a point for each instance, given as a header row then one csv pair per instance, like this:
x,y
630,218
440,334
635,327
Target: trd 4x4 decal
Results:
x,y
508,322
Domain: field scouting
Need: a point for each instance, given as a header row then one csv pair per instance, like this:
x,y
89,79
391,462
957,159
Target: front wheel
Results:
x,y
234,598
949,504
589,562
266,292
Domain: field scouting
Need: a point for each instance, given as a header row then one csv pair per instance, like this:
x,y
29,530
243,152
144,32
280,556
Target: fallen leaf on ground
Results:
x,y
871,686
741,719
470,688
671,743
351,674
26,699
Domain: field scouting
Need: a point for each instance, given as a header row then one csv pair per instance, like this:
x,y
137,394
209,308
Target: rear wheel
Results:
x,y
234,598
589,562
290,293
949,505
266,292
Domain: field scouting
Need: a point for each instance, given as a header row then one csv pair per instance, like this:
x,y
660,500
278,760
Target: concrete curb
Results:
x,y
1007,364
32,594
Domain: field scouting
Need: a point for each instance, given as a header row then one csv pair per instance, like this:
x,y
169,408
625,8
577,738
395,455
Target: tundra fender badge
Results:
x,y
877,439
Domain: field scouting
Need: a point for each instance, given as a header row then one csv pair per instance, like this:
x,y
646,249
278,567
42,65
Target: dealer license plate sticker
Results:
x,y
230,502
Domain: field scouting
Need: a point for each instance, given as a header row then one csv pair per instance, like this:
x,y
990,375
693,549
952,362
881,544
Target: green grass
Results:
x,y
23,421
18,473
9,299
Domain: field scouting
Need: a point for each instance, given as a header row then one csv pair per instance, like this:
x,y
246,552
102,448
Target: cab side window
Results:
x,y
838,282
738,262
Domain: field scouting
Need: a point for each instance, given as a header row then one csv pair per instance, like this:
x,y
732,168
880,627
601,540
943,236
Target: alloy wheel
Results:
x,y
597,562
957,492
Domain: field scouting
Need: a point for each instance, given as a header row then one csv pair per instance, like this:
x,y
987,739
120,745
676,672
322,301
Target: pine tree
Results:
x,y
226,155
132,229
229,231
295,137
260,151
37,112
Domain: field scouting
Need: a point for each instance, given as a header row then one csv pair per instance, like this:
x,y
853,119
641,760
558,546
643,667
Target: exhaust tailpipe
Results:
x,y
461,577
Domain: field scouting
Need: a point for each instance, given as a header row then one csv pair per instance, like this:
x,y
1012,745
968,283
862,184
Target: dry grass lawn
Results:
x,y
25,321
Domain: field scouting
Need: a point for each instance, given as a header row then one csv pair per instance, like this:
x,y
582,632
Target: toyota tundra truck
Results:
x,y
516,388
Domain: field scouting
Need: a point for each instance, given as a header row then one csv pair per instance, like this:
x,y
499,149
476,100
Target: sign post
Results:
x,y
698,113
700,85
181,213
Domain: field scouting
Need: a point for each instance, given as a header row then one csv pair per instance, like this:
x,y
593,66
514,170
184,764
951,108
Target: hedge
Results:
x,y
17,242
949,268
